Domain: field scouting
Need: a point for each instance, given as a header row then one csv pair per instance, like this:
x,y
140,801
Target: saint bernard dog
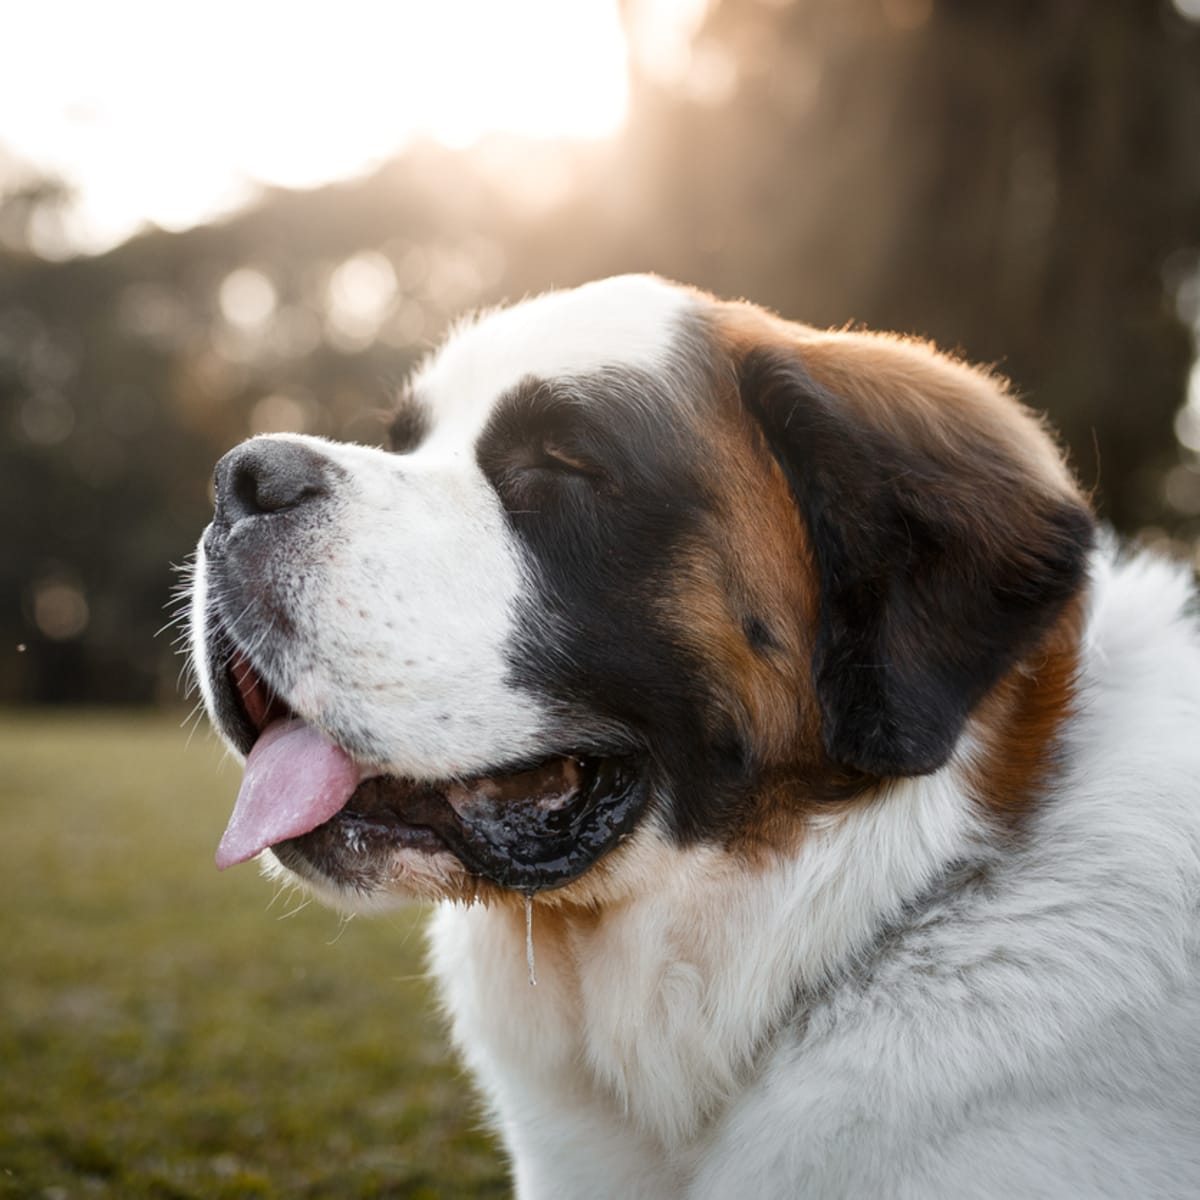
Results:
x,y
767,698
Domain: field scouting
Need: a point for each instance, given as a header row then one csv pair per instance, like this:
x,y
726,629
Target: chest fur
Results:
x,y
632,1013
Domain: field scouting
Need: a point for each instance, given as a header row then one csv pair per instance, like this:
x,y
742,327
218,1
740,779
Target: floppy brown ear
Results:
x,y
946,534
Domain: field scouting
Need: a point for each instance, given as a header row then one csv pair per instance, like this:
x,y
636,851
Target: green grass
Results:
x,y
168,1031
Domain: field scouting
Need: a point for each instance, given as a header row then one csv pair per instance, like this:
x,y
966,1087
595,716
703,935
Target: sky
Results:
x,y
175,113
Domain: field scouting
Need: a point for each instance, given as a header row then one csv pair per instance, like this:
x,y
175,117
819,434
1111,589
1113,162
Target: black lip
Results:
x,y
494,830
228,712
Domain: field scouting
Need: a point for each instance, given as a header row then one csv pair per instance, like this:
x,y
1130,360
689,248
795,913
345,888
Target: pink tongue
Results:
x,y
295,780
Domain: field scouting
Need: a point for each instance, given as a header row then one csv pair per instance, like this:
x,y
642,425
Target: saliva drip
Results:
x,y
529,940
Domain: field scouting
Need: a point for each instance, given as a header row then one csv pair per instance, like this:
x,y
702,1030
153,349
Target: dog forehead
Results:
x,y
626,321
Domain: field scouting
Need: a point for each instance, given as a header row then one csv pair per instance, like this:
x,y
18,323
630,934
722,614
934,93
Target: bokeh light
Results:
x,y
247,298
359,297
60,608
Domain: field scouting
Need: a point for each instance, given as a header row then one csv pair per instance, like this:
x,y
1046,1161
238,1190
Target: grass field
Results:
x,y
168,1031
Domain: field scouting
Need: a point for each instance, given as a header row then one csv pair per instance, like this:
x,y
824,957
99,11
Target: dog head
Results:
x,y
638,568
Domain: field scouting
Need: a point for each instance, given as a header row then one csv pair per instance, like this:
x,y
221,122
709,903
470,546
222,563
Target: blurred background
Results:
x,y
250,215
225,219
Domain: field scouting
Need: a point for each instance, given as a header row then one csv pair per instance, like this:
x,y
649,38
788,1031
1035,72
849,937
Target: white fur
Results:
x,y
200,667
628,321
902,1010
400,604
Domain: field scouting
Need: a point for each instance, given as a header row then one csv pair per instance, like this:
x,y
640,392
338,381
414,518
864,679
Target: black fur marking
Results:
x,y
602,542
931,583
409,424
758,635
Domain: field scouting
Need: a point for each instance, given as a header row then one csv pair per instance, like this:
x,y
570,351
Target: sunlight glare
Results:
x,y
662,32
176,113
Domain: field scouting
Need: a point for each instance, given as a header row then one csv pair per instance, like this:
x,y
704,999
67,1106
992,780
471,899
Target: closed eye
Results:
x,y
557,457
540,447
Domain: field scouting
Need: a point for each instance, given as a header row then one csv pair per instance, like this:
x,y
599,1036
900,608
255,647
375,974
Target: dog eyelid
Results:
x,y
557,456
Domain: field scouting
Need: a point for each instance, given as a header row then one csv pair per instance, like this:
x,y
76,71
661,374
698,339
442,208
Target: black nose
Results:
x,y
268,475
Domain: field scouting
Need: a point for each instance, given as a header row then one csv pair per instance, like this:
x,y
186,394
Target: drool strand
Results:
x,y
529,940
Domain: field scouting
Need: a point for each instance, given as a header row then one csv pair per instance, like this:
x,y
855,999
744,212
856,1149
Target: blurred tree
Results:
x,y
1013,180
1009,179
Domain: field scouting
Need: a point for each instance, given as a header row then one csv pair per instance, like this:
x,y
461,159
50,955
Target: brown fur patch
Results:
x,y
743,593
744,597
913,392
1018,724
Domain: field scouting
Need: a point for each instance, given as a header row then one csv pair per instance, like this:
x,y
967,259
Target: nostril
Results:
x,y
260,487
244,485
268,476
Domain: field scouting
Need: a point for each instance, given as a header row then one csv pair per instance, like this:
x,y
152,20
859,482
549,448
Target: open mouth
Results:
x,y
528,826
